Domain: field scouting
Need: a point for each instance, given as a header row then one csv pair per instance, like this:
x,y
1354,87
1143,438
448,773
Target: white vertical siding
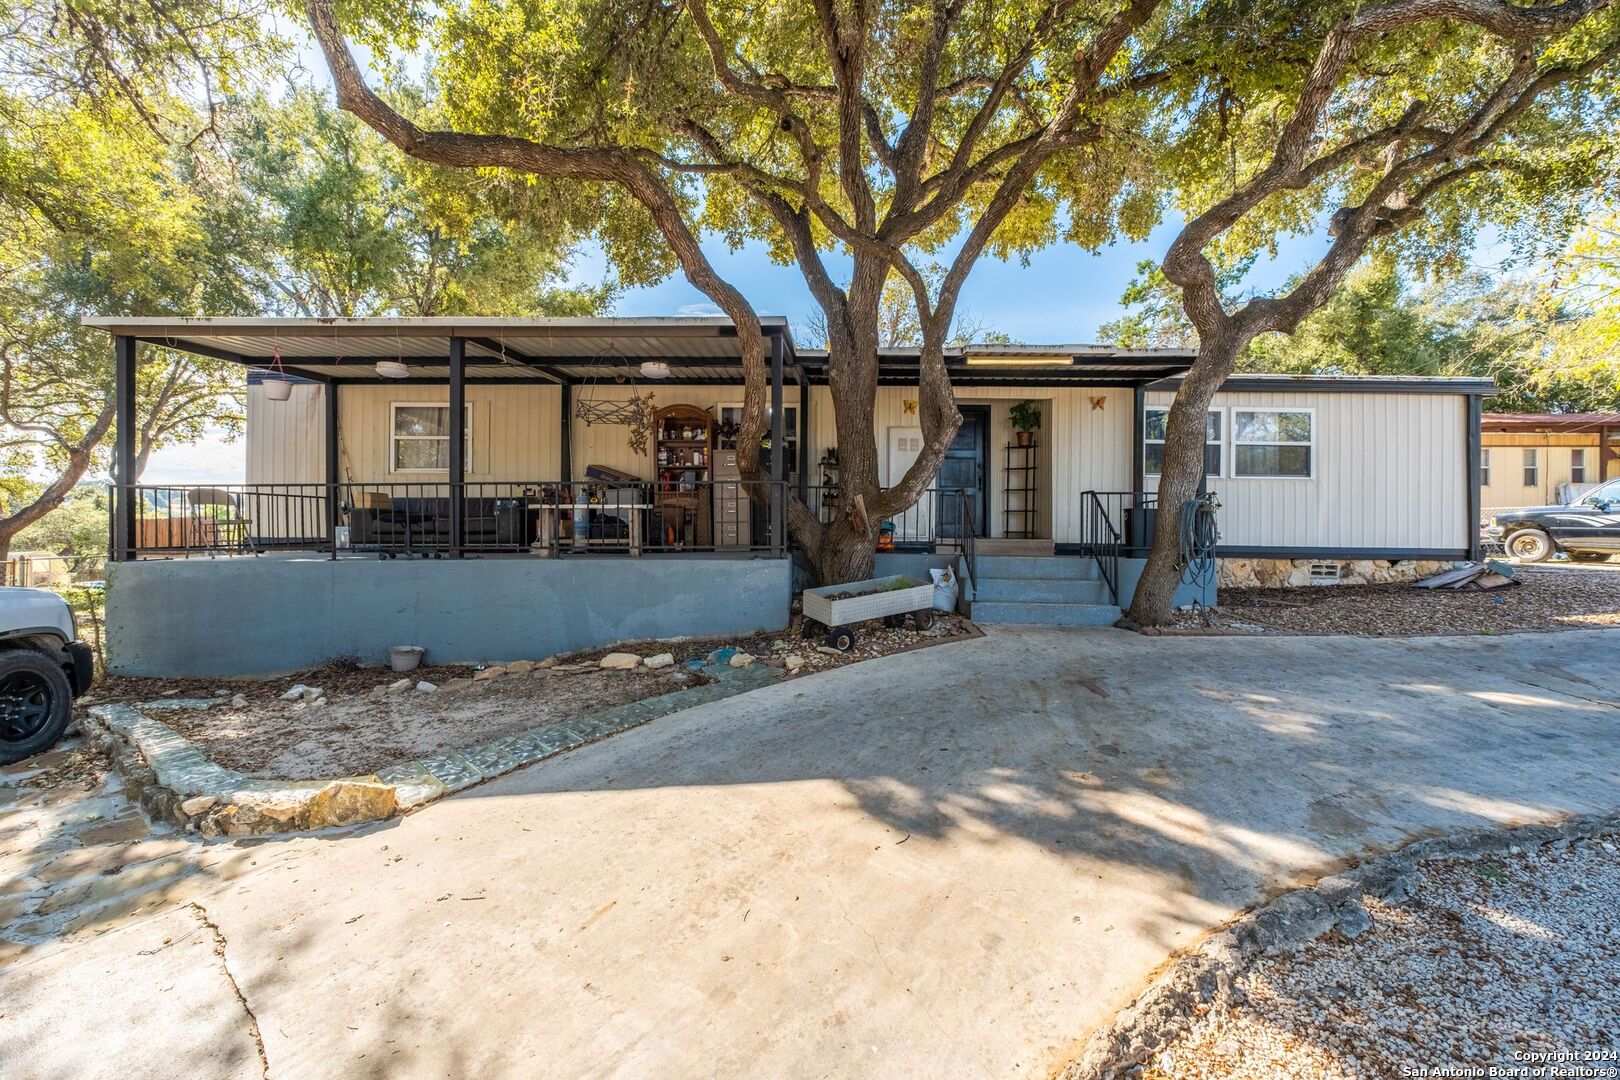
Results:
x,y
1389,467
286,440
1084,447
1390,474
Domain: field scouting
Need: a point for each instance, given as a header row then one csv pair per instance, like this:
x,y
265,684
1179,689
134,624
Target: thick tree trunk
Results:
x,y
1183,470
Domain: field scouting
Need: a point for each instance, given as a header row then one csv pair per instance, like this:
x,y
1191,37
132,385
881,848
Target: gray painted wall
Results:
x,y
275,614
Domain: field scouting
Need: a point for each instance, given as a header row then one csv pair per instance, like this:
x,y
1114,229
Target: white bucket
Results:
x,y
404,657
277,389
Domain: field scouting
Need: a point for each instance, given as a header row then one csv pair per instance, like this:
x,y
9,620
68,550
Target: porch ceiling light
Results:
x,y
393,369
1019,361
654,369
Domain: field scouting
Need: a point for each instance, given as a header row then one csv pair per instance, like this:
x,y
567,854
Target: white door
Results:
x,y
917,523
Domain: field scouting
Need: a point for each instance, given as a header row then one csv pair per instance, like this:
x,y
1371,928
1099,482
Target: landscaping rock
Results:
x,y
425,687
741,659
195,806
488,673
829,650
520,667
660,660
399,686
793,661
723,655
239,701
619,661
300,692
1353,920
548,662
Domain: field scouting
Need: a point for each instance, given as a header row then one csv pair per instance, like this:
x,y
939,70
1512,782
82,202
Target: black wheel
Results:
x,y
1589,556
924,619
843,640
1529,545
35,703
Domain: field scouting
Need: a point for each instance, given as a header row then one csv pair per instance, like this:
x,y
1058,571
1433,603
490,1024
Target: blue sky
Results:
x,y
1063,295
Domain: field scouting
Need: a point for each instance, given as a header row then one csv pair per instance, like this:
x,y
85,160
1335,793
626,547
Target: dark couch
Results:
x,y
423,524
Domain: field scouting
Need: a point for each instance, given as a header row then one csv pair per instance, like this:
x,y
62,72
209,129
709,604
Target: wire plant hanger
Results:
x,y
591,408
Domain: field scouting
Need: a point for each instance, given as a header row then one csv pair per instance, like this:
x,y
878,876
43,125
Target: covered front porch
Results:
x,y
585,476
452,438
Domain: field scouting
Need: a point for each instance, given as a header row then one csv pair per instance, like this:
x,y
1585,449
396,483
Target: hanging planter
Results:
x,y
277,387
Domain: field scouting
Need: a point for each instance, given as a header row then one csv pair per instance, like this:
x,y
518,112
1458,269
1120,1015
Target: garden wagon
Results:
x,y
834,608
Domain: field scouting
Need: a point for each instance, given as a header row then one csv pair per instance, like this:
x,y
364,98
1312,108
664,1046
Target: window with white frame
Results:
x,y
420,437
1532,467
1274,443
1153,440
1577,466
1484,468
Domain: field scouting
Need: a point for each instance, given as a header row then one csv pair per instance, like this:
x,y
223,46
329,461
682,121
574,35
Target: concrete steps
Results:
x,y
1044,614
1040,548
1041,590
1051,568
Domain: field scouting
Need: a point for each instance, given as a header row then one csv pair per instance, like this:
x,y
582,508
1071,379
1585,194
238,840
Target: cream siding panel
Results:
x,y
1083,447
1507,488
609,445
515,432
286,440
1390,474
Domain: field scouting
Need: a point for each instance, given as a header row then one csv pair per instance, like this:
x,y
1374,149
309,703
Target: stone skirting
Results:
x,y
1286,573
175,781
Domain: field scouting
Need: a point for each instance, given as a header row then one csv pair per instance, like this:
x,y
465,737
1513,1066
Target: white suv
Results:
x,y
43,667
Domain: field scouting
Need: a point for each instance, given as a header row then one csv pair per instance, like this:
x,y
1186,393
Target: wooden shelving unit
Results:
x,y
1020,506
683,456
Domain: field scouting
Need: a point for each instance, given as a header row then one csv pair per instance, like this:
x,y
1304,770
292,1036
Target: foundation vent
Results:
x,y
1324,573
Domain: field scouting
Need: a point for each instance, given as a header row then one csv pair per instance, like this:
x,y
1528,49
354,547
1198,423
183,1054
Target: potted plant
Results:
x,y
1026,421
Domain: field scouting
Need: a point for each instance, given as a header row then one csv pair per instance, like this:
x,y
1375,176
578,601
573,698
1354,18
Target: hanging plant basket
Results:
x,y
277,387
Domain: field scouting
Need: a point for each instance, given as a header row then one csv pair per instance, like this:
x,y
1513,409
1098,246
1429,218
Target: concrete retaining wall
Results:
x,y
1130,572
276,614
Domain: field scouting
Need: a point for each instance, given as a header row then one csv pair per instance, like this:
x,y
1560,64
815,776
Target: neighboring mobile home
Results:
x,y
1545,459
353,453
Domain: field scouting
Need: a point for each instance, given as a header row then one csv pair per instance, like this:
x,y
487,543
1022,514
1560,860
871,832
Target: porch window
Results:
x,y
1532,467
420,437
1577,466
1274,443
1484,468
1153,440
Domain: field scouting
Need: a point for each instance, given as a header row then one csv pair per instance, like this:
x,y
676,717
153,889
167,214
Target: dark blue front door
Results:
x,y
963,469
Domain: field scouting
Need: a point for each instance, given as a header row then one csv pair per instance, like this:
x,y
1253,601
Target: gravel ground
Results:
x,y
1493,962
1546,599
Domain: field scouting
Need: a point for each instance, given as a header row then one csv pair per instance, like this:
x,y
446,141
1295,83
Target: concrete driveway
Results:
x,y
954,862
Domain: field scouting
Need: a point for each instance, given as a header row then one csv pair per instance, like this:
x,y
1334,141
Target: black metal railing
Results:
x,y
433,519
940,515
969,537
1113,523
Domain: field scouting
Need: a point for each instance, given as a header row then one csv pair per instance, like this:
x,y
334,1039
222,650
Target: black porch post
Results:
x,y
804,437
124,448
778,451
458,442
1138,438
334,508
1471,539
565,449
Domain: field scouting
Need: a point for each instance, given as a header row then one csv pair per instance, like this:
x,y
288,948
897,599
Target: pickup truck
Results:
x,y
43,667
1587,530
